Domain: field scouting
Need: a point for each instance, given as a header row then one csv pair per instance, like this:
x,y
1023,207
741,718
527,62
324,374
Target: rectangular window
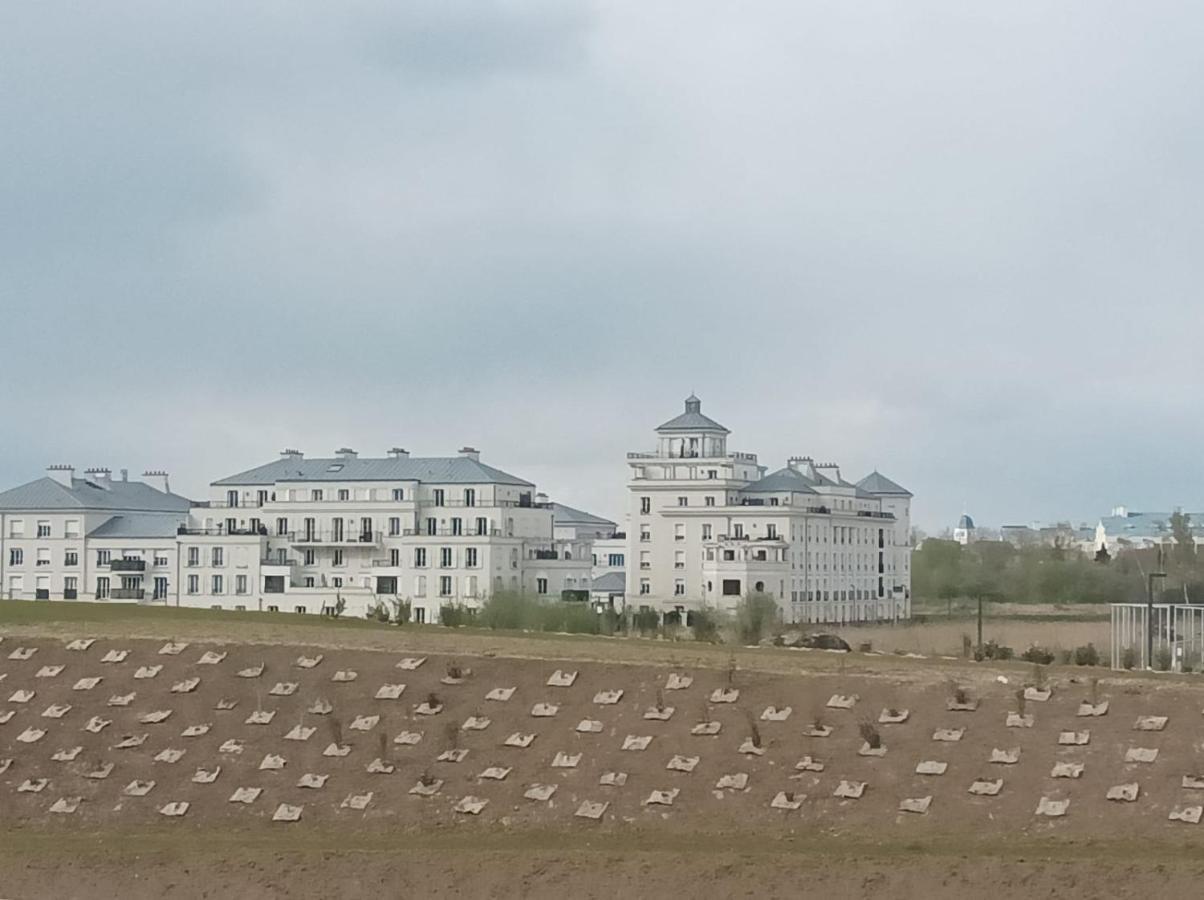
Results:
x,y
71,528
344,494
217,584
394,557
420,586
470,497
394,526
160,589
240,584
43,558
679,532
645,535
645,505
470,557
43,529
482,526
194,584
103,557
457,526
194,556
615,560
710,501
738,530
282,526
679,588
445,557
71,558
541,585
438,496
419,615
445,586
645,586
261,497
338,558
16,528
706,532
102,588
309,582
771,531
315,494
336,581
420,557
160,561
16,556
310,557
219,557
231,498
431,525
71,583
398,495
683,501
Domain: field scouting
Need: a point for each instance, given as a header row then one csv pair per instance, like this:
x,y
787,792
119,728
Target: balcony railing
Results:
x,y
278,561
127,594
127,565
364,538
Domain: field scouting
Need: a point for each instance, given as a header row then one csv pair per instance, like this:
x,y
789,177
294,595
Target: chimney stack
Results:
x,y
471,453
125,474
157,479
100,476
63,474
288,453
345,453
399,453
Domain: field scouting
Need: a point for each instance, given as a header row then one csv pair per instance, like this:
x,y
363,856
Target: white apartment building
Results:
x,y
709,526
294,534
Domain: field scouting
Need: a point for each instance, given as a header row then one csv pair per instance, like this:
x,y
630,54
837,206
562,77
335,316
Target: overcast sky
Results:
x,y
957,242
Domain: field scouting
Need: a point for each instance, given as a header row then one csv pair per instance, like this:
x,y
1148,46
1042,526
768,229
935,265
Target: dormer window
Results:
x,y
335,467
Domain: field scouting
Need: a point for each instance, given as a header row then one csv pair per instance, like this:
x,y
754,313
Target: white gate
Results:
x,y
1178,636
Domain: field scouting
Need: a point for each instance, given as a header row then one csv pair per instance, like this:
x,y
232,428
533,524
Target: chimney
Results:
x,y
398,453
345,453
541,498
99,476
157,479
471,453
63,474
125,474
830,470
288,453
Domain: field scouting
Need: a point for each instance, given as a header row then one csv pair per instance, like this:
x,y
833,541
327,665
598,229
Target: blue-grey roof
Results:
x,y
877,483
140,526
965,522
567,515
1155,525
782,480
47,494
692,419
430,470
611,582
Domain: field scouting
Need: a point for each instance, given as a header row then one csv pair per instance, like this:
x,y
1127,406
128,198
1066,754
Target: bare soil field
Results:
x,y
387,795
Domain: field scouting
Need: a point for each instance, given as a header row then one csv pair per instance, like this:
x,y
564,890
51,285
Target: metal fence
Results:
x,y
1173,632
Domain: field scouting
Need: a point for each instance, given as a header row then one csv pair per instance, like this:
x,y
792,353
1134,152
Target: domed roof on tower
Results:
x,y
692,419
965,523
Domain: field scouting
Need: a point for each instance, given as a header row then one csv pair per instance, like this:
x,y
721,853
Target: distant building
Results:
x,y
1063,534
964,532
1138,530
710,526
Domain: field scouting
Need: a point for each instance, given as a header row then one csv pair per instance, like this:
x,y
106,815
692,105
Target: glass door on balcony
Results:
x,y
336,533
366,530
310,529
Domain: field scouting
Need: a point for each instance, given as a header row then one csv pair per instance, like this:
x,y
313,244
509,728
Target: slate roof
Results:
x,y
611,582
877,483
430,470
47,494
140,526
1155,525
786,479
567,515
692,419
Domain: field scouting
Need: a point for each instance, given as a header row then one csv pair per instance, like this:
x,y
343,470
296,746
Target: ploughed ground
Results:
x,y
708,842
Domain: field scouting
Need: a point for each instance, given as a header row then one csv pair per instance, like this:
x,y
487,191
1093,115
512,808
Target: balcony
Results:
x,y
386,564
331,538
127,565
279,561
127,594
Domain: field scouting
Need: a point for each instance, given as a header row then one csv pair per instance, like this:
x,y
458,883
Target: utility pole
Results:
x,y
1149,614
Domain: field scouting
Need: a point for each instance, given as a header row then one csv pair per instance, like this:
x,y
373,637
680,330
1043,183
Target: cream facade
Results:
x,y
709,526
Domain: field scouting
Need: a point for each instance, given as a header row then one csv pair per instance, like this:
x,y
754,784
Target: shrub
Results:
x,y
453,615
1037,654
379,611
756,615
705,623
1064,657
992,649
1086,655
1128,658
402,612
512,610
1163,659
645,621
